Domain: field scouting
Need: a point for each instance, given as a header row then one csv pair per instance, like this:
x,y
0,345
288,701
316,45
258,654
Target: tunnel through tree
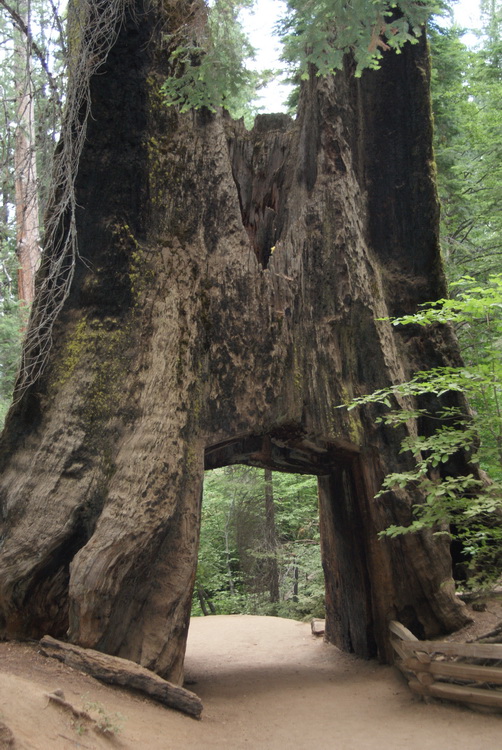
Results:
x,y
181,346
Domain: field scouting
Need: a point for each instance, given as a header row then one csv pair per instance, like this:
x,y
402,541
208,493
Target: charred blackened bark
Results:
x,y
228,298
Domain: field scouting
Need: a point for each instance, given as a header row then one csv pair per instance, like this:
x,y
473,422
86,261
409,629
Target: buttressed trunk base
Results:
x,y
227,299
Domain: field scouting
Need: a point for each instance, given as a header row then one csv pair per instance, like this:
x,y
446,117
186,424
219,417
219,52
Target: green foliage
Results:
x,y
301,585
234,554
209,63
321,32
209,58
466,91
13,319
470,504
107,724
466,95
476,313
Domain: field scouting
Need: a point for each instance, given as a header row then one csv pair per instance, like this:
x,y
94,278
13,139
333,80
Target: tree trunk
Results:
x,y
25,167
185,342
230,574
271,538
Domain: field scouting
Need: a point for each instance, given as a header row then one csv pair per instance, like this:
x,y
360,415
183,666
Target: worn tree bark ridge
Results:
x,y
225,303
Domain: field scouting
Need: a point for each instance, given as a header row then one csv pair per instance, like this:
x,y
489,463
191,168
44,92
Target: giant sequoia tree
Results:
x,y
225,299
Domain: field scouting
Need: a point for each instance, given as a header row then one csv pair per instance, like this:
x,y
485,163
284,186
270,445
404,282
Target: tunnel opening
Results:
x,y
341,532
259,550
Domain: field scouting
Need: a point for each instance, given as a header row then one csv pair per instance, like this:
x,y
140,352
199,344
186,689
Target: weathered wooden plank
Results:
x,y
458,693
407,673
398,648
425,678
419,688
117,671
466,694
473,650
457,670
398,629
422,657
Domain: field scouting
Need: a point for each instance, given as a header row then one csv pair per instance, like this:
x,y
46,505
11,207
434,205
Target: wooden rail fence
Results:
x,y
465,672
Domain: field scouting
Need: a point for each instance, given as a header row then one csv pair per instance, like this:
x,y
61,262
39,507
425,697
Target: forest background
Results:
x,y
260,542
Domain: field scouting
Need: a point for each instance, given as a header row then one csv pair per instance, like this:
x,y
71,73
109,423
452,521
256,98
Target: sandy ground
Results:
x,y
266,684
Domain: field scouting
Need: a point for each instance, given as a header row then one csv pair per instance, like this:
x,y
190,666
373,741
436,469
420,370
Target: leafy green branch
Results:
x,y
209,55
469,504
321,32
209,60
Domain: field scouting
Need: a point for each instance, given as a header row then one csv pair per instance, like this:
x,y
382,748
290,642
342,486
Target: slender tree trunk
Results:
x,y
230,575
25,167
184,343
205,602
271,538
295,582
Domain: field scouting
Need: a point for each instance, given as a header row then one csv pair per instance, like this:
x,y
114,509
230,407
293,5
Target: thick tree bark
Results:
x,y
227,299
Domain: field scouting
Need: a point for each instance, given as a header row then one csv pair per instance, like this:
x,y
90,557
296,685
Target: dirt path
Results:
x,y
266,684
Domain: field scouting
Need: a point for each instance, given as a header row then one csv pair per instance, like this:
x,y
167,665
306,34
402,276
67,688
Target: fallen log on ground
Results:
x,y
117,671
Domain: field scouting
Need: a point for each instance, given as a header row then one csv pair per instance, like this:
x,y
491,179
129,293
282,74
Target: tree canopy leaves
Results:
x,y
319,33
209,60
209,63
466,96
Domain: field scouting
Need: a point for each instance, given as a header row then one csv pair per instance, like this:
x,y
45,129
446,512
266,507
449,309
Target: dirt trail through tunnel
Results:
x,y
266,684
